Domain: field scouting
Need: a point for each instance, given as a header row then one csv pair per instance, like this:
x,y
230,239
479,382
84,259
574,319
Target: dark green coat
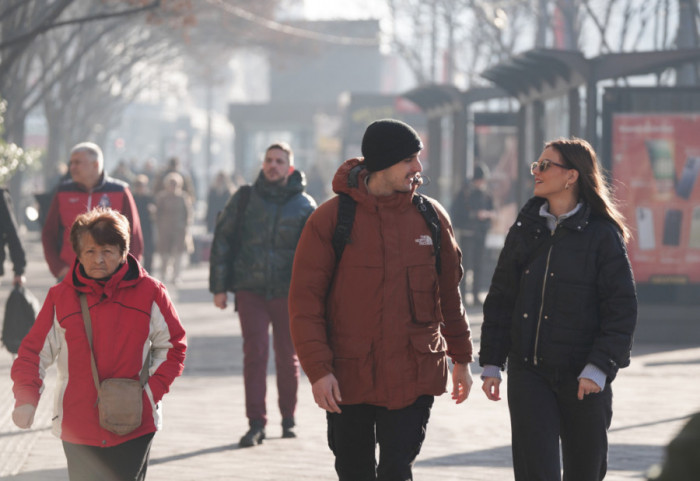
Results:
x,y
270,228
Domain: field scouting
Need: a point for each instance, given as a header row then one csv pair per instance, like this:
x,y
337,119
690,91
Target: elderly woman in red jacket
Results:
x,y
131,316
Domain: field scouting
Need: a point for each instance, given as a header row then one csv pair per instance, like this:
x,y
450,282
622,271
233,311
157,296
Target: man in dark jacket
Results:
x,y
472,212
252,255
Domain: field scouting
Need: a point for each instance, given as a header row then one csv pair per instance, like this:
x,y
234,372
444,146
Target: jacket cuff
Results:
x,y
592,372
491,371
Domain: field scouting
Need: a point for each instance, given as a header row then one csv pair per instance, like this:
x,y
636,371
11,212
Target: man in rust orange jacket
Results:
x,y
374,328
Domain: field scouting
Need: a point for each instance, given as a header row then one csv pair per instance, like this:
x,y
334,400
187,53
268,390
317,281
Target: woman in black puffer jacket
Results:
x,y
562,308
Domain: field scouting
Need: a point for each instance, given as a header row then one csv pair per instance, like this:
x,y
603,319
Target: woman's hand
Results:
x,y
585,387
23,416
491,388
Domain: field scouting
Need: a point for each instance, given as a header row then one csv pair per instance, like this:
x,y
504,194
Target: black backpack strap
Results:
x,y
244,192
430,215
343,227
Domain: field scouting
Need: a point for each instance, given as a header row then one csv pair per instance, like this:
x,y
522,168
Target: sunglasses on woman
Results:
x,y
543,166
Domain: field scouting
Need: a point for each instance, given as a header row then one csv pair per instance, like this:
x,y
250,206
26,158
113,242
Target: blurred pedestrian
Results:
x,y
133,323
174,165
562,309
374,327
123,172
472,212
10,238
173,220
252,254
146,206
219,193
88,188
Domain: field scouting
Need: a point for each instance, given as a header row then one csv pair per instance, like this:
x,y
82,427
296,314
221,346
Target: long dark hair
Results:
x,y
592,186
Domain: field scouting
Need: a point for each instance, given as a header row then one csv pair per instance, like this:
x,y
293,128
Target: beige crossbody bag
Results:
x,y
119,400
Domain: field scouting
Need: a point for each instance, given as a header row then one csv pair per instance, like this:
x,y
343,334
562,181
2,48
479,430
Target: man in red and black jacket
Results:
x,y
88,188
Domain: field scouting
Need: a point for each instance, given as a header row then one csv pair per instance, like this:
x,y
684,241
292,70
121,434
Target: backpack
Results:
x,y
346,219
244,193
21,310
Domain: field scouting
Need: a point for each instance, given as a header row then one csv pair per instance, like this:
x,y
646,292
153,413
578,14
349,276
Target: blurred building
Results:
x,y
313,81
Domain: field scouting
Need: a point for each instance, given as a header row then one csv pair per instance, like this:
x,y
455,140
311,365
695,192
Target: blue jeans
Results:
x,y
354,434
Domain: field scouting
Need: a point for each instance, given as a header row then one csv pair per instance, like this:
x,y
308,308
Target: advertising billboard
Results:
x,y
655,163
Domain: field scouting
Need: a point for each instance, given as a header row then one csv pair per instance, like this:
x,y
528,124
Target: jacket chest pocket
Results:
x,y
424,294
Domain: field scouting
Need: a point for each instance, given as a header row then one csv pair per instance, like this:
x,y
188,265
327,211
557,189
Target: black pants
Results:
x,y
544,409
473,252
354,434
124,462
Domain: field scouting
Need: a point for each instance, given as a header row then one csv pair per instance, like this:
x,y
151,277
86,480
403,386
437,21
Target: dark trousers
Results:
x,y
256,315
473,247
124,462
354,434
544,409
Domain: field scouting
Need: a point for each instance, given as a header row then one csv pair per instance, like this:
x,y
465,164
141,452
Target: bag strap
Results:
x,y
346,219
427,210
243,200
88,330
343,227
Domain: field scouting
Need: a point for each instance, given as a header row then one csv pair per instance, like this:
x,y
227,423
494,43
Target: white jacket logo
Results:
x,y
424,240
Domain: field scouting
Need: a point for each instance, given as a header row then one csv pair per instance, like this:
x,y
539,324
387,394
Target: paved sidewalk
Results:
x,y
204,412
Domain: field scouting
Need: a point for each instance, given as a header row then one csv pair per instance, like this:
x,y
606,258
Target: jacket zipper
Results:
x,y
544,288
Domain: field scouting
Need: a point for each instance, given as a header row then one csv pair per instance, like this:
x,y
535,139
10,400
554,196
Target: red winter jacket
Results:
x,y
71,200
129,312
383,322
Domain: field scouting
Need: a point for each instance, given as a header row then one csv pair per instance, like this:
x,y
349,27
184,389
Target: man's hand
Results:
x,y
327,393
220,300
585,387
491,387
461,382
23,416
20,280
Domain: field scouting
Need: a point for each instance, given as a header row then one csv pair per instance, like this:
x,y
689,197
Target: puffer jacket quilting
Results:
x,y
271,226
572,305
383,321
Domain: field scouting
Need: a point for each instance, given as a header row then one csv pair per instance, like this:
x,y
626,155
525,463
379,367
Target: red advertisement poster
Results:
x,y
655,170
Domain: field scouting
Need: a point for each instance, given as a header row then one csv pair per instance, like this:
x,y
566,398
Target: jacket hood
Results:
x,y
350,179
128,274
296,184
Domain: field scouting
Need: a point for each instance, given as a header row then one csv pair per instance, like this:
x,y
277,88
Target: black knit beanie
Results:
x,y
387,142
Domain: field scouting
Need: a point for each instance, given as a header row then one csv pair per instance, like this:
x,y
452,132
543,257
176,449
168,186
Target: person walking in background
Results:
x,y
88,187
374,328
219,193
146,207
562,309
251,255
123,172
472,212
175,216
133,321
9,238
174,165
